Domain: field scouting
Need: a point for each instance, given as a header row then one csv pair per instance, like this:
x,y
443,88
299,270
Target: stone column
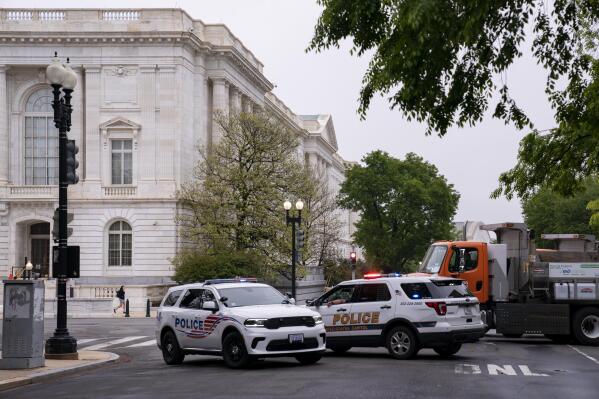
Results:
x,y
4,161
93,148
220,104
169,122
147,137
247,105
236,100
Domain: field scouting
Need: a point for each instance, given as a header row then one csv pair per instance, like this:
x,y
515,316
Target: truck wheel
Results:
x,y
171,351
449,350
401,343
235,353
308,358
340,349
585,326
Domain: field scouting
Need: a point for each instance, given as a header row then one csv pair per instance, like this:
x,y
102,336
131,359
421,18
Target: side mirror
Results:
x,y
210,305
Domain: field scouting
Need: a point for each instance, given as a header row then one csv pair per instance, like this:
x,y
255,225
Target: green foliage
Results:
x,y
234,202
445,63
549,212
593,206
404,205
191,266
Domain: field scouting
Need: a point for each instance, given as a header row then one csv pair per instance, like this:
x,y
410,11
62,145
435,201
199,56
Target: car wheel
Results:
x,y
585,326
171,351
559,339
401,343
512,335
308,358
235,353
449,350
340,349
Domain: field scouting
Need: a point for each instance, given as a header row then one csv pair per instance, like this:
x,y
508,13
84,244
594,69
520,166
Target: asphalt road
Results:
x,y
492,368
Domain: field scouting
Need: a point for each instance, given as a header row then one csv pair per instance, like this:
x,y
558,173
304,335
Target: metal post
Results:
x,y
61,344
293,258
127,308
148,307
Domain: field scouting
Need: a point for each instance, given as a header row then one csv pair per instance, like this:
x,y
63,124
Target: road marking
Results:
x,y
145,343
467,369
526,371
86,340
494,369
505,370
591,358
114,342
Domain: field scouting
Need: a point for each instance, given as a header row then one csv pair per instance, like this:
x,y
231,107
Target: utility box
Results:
x,y
23,324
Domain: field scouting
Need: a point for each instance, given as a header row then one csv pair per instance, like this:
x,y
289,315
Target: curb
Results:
x,y
47,375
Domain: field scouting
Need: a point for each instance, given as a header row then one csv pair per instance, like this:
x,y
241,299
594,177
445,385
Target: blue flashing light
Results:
x,y
415,296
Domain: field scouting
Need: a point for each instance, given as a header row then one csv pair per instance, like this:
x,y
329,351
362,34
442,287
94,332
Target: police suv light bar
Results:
x,y
371,276
231,280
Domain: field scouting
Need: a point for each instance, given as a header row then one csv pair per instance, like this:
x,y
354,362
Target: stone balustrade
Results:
x,y
119,191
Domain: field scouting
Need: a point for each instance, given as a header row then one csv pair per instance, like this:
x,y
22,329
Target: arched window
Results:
x,y
41,140
120,240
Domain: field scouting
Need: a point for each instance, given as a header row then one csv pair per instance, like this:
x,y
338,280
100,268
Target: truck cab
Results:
x,y
467,260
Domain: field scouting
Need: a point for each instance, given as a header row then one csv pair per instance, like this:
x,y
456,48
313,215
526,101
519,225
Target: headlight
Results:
x,y
254,322
317,319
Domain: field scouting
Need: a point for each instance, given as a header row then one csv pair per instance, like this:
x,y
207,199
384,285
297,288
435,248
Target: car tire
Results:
x,y
585,326
559,339
449,350
512,335
235,353
171,351
340,349
307,359
401,343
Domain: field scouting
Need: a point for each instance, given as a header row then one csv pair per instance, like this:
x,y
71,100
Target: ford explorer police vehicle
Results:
x,y
238,319
404,314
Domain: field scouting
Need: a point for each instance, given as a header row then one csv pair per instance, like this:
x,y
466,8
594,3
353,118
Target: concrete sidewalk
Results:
x,y
87,360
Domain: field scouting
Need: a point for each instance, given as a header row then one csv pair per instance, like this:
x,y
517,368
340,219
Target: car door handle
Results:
x,y
341,310
386,307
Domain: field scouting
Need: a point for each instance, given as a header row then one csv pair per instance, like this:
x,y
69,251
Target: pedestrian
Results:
x,y
120,295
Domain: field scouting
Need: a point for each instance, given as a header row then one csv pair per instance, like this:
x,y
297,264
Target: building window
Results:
x,y
122,161
41,140
120,240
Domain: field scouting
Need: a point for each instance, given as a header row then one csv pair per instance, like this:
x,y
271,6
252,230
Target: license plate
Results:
x,y
296,338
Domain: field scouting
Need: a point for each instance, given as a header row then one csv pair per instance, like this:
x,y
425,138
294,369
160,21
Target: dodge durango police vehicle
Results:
x,y
404,314
238,319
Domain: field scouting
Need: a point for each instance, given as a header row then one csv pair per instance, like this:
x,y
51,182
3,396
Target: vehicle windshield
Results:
x,y
433,259
250,296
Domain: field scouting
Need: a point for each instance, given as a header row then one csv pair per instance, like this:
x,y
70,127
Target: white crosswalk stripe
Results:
x,y
145,343
86,340
113,343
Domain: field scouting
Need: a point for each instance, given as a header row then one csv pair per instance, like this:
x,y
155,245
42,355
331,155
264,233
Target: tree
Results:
x,y
444,63
233,205
234,201
404,206
550,212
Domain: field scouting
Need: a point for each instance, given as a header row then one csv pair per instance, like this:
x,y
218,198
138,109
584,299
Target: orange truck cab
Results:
x,y
467,260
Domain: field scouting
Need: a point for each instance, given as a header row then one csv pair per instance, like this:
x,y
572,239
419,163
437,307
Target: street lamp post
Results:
x,y
299,205
62,345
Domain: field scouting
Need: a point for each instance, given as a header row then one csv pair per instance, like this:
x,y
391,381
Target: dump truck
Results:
x,y
525,290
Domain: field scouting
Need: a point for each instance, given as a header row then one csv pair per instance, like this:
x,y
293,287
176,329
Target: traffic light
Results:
x,y
300,237
352,257
55,232
72,163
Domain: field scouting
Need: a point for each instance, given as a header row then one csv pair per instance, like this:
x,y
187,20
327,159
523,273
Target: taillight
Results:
x,y
440,307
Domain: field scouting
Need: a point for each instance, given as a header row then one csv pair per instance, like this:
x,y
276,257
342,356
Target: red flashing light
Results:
x,y
440,307
369,276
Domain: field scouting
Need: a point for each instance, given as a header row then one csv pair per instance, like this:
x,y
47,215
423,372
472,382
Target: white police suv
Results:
x,y
238,319
404,314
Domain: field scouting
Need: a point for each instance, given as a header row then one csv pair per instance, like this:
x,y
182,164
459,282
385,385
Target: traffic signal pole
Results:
x,y
62,345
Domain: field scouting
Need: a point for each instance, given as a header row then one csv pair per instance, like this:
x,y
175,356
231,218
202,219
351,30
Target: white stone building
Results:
x,y
148,83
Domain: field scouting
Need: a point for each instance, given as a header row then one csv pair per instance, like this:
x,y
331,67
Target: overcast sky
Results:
x,y
278,31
